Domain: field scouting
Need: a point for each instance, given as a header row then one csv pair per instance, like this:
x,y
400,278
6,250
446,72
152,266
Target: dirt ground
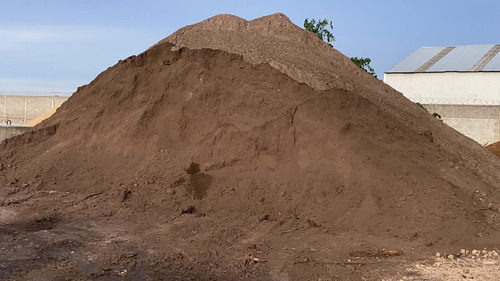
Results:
x,y
44,247
244,150
39,247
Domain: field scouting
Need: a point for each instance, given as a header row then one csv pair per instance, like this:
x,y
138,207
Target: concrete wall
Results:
x,y
10,131
479,122
21,109
448,87
468,102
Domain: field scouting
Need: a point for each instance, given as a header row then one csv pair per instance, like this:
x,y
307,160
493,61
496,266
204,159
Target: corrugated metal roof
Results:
x,y
494,64
416,60
466,58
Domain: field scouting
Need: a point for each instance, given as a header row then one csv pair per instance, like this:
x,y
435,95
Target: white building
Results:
x,y
460,83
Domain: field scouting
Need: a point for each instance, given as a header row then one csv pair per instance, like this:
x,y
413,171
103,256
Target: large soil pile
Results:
x,y
233,139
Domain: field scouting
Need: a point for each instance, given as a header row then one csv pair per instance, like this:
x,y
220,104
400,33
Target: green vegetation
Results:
x,y
437,115
323,28
364,63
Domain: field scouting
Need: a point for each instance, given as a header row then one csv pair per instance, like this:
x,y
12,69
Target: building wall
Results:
x,y
448,87
468,102
21,109
479,122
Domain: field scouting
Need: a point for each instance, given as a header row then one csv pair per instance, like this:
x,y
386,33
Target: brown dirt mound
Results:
x,y
495,148
256,152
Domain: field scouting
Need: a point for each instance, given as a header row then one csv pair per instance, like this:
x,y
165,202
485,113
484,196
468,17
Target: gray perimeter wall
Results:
x,y
22,109
479,122
10,131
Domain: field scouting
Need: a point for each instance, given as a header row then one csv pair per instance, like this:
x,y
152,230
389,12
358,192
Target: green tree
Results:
x,y
323,30
364,63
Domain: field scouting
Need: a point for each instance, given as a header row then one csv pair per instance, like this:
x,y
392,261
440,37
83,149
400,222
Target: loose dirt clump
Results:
x,y
239,149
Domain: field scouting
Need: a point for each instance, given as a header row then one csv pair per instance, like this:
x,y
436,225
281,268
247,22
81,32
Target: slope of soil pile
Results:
x,y
237,149
495,148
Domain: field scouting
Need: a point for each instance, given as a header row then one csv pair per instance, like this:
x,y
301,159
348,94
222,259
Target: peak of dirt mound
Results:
x,y
232,139
271,39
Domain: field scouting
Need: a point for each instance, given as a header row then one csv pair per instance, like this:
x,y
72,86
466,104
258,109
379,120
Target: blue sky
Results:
x,y
58,45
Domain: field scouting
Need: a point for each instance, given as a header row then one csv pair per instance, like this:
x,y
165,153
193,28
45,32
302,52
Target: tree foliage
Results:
x,y
435,114
321,28
364,63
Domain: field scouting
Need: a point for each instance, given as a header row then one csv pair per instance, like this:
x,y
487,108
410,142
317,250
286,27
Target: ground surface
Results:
x,y
466,269
44,246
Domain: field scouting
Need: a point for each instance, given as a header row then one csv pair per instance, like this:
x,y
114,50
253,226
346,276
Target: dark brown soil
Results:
x,y
240,150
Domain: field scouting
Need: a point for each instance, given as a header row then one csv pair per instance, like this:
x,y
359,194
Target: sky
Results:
x,y
56,46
